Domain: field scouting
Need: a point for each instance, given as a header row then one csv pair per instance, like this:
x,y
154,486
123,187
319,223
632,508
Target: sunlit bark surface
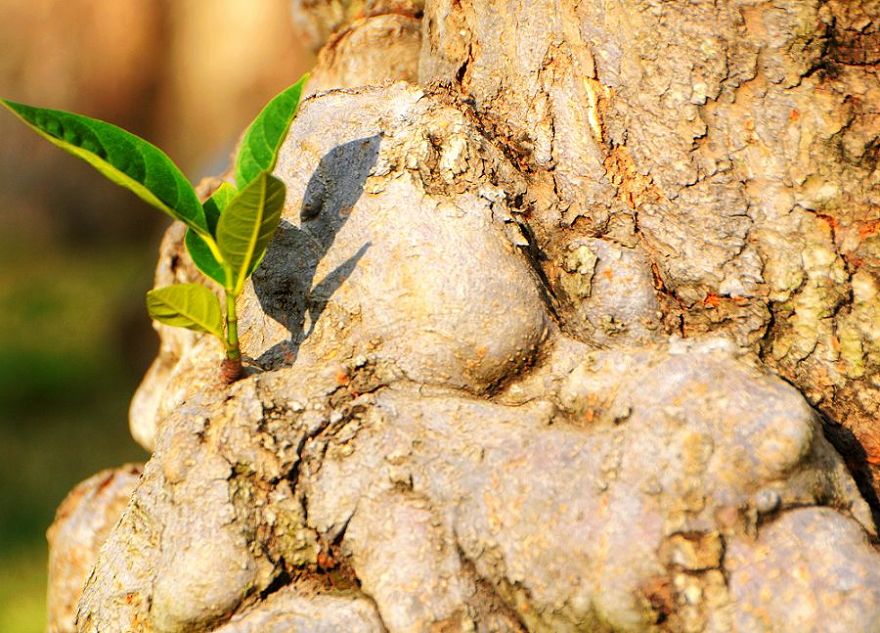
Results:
x,y
571,324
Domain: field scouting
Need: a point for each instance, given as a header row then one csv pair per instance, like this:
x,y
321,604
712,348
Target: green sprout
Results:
x,y
227,235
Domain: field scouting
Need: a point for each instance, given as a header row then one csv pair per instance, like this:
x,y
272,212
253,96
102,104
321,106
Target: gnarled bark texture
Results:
x,y
519,344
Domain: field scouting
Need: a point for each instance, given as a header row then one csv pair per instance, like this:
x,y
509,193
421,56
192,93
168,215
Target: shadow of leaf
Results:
x,y
283,282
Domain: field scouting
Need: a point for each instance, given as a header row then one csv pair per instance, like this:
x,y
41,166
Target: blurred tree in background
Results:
x,y
77,252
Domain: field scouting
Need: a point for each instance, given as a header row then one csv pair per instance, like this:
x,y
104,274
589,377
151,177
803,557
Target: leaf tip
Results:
x,y
13,106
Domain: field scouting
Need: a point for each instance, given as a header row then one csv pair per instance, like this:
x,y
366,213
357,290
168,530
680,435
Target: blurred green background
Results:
x,y
77,254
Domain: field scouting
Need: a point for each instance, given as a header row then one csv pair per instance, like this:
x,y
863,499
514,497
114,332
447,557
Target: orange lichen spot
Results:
x,y
342,377
871,446
869,229
712,300
589,416
608,274
326,560
794,115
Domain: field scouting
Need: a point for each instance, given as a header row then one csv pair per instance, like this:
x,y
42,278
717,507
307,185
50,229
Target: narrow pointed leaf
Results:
x,y
247,225
263,138
191,306
199,250
124,158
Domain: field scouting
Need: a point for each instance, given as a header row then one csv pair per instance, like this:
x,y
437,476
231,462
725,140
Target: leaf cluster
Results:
x,y
227,235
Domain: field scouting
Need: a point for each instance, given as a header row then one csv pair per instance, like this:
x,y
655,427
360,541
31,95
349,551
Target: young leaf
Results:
x,y
192,306
247,226
217,203
202,254
263,138
122,157
203,257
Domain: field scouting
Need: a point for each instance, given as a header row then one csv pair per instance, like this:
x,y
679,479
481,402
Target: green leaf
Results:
x,y
247,226
263,138
191,306
217,203
122,157
199,249
203,257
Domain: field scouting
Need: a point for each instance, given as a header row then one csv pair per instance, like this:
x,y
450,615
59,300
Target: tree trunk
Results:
x,y
536,344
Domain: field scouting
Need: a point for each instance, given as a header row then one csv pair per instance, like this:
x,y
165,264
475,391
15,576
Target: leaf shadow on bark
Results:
x,y
284,282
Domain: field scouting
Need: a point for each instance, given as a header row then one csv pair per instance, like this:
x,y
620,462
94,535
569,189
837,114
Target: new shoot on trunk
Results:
x,y
227,234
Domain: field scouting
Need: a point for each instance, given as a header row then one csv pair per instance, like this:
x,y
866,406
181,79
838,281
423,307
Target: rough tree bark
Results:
x,y
551,337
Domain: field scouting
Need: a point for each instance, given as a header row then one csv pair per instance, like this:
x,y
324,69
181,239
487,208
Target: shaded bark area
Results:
x,y
536,345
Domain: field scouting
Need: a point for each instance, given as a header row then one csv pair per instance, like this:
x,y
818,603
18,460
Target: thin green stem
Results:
x,y
233,352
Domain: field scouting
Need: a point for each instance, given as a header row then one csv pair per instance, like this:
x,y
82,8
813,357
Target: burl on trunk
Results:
x,y
576,328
